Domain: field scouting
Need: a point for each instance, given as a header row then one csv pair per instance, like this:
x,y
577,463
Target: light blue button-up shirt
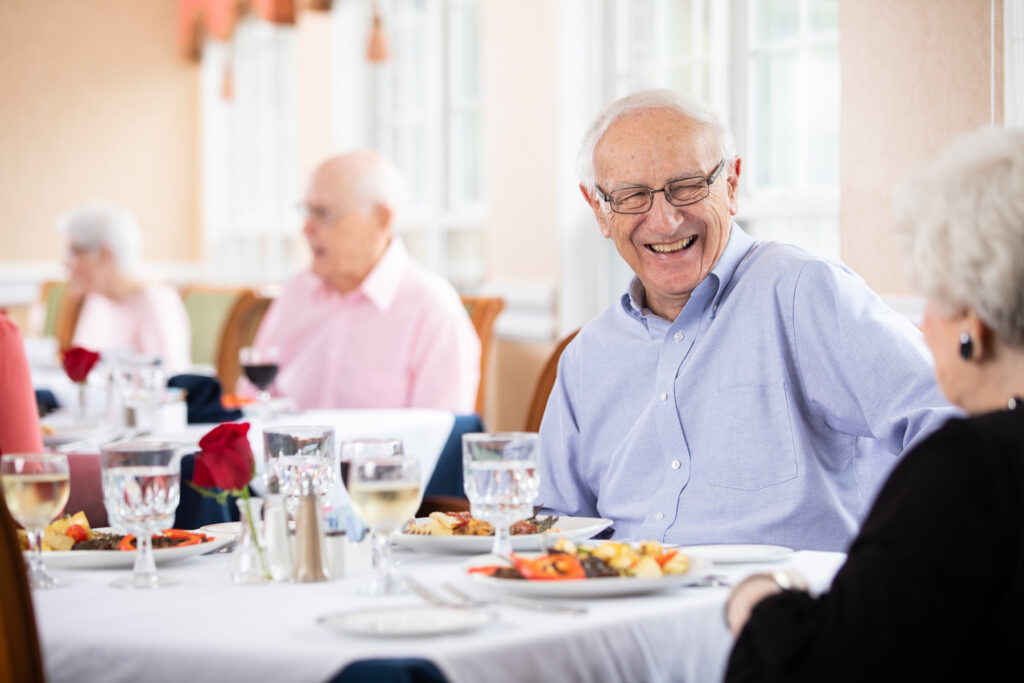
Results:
x,y
769,411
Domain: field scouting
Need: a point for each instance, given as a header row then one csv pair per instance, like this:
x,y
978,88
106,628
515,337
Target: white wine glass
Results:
x,y
385,492
141,490
501,480
260,365
356,449
36,488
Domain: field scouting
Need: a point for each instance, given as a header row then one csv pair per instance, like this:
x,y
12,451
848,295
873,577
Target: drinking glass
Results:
x,y
501,480
36,488
357,449
141,383
141,489
385,492
288,451
260,365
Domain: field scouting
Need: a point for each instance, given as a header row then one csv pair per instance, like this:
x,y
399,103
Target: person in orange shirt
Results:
x,y
19,417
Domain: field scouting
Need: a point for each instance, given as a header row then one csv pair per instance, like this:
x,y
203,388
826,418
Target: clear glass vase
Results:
x,y
249,558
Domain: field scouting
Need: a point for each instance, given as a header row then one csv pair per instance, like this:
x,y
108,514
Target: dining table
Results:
x,y
207,629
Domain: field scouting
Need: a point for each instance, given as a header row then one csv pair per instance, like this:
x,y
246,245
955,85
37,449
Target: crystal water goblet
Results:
x,y
141,490
291,450
501,480
35,488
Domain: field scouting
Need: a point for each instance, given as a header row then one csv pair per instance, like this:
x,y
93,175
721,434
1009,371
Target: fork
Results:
x,y
430,596
467,600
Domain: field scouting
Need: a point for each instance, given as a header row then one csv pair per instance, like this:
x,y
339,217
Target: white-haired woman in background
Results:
x,y
121,312
933,586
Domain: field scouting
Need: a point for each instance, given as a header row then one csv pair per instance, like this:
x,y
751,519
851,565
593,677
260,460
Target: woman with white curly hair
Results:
x,y
933,586
121,312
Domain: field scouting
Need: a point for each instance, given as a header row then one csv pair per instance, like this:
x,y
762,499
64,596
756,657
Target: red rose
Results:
x,y
78,362
225,460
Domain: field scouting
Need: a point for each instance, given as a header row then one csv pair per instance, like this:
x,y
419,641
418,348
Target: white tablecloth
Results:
x,y
206,629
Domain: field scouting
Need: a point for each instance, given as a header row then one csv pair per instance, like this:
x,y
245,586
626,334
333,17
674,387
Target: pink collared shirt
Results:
x,y
402,339
152,322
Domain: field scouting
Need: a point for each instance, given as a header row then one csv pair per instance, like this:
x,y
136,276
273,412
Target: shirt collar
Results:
x,y
719,277
380,287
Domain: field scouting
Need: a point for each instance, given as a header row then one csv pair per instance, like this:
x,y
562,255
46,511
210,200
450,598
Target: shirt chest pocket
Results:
x,y
755,445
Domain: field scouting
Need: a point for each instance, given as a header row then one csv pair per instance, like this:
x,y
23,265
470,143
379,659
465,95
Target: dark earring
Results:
x,y
966,346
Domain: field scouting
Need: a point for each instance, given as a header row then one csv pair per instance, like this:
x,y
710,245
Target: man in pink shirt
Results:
x,y
367,327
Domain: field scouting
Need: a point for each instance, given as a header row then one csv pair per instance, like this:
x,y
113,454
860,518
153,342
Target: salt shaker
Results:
x,y
275,529
309,537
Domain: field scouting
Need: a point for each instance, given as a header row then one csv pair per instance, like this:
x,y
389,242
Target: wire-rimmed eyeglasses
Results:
x,y
318,213
678,193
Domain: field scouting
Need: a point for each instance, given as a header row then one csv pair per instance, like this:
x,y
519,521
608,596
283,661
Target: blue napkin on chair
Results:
x,y
202,397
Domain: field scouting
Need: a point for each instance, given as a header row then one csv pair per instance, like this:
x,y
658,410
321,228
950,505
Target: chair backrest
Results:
x,y
61,309
239,330
483,311
544,385
208,307
20,655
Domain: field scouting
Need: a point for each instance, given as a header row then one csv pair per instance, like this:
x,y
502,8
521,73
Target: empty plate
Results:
x,y
737,553
405,622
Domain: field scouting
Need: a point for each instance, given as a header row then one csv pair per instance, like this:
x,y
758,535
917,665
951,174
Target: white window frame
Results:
x,y
250,167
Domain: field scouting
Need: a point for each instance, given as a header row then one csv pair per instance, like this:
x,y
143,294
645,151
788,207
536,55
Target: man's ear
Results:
x,y
732,180
982,335
384,215
599,213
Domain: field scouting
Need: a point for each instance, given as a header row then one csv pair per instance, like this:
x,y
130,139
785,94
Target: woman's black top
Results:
x,y
933,586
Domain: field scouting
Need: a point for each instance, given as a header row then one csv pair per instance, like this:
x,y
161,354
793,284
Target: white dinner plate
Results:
x,y
573,528
404,622
63,429
116,559
739,553
232,528
603,587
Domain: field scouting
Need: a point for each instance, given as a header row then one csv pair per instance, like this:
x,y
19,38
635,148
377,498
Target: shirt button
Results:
x,y
676,464
679,336
663,396
659,516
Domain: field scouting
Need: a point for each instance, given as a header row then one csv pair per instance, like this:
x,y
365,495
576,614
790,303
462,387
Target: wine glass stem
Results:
x,y
502,541
145,565
35,557
382,548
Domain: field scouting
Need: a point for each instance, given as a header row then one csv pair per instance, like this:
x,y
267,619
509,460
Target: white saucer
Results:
x,y
406,622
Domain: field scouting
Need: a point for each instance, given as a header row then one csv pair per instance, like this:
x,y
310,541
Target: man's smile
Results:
x,y
672,247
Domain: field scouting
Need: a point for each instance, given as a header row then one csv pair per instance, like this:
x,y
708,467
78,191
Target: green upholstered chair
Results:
x,y
208,308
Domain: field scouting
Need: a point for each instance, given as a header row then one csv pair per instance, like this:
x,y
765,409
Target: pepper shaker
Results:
x,y
309,536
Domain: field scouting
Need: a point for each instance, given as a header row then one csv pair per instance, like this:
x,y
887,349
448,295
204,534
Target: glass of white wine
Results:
x,y
385,492
141,490
36,488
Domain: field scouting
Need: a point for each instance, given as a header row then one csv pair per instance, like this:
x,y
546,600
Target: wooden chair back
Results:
x,y
20,655
545,383
208,307
239,330
61,309
483,311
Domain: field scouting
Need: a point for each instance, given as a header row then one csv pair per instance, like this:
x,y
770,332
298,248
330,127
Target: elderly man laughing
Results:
x,y
741,391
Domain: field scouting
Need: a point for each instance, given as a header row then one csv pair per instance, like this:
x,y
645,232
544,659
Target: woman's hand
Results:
x,y
753,590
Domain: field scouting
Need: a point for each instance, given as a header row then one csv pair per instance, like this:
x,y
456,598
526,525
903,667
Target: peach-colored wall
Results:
x,y
97,103
915,73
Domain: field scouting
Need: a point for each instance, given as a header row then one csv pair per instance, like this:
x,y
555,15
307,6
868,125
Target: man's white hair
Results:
x,y
640,101
382,183
963,221
97,225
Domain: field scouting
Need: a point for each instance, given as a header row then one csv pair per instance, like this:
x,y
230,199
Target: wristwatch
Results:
x,y
783,580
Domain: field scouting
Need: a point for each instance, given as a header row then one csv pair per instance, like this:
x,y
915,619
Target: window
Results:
x,y
250,226
1013,23
427,119
770,68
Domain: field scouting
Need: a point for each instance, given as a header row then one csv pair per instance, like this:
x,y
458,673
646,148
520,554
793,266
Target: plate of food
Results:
x,y
461,533
69,543
62,429
607,569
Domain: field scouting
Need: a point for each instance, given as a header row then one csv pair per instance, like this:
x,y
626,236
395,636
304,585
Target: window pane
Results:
x,y
466,30
775,114
681,28
824,15
635,22
465,159
823,116
817,235
777,20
